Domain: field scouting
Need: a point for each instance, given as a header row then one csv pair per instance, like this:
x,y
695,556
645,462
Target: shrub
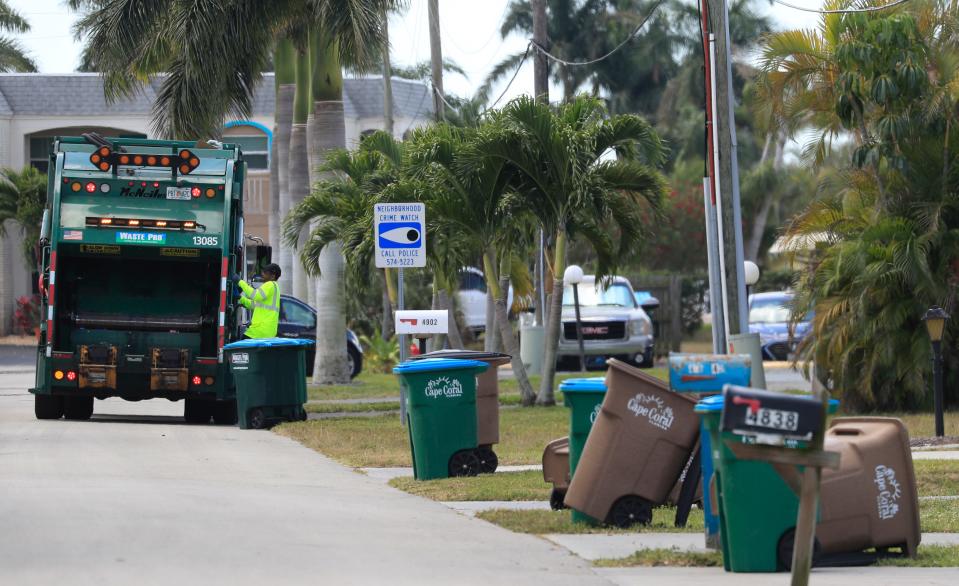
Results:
x,y
27,314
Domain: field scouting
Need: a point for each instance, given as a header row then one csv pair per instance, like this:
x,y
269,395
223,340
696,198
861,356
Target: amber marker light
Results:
x,y
189,225
124,159
161,223
208,380
133,222
58,374
210,192
75,186
151,161
106,221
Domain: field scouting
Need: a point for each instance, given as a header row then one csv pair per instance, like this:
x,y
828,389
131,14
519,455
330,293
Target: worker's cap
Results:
x,y
273,268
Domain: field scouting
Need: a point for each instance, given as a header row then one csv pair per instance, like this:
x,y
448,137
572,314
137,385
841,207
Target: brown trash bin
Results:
x,y
556,470
637,449
871,500
487,401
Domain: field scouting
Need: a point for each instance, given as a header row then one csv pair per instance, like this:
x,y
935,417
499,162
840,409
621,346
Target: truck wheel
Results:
x,y
257,419
77,408
630,510
224,413
648,360
48,406
197,411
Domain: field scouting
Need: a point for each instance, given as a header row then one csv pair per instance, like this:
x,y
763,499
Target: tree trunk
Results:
x,y
386,321
540,63
446,302
553,322
387,78
285,90
299,159
510,345
436,60
330,365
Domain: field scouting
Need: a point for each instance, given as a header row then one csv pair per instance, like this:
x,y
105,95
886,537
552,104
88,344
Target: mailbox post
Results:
x,y
416,324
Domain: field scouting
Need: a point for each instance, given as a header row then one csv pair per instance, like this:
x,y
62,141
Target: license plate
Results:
x,y
179,193
96,377
773,419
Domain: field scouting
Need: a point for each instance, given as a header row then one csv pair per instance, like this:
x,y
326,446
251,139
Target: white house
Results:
x,y
35,108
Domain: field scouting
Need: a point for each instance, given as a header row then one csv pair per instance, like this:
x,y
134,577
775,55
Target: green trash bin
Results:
x,y
757,509
441,415
583,396
270,375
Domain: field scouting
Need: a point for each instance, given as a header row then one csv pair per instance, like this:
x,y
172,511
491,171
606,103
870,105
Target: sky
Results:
x,y
470,38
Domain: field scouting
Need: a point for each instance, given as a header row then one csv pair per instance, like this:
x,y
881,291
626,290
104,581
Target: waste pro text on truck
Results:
x,y
138,240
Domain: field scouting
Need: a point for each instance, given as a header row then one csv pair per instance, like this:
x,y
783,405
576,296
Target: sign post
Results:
x,y
400,241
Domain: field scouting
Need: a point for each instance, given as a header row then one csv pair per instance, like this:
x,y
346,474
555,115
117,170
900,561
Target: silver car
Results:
x,y
614,324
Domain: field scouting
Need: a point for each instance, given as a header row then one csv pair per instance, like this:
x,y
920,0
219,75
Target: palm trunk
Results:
x,y
387,78
299,161
386,321
446,302
546,396
435,341
330,366
285,89
527,395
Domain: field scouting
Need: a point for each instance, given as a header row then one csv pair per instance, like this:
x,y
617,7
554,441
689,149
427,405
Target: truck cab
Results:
x,y
139,240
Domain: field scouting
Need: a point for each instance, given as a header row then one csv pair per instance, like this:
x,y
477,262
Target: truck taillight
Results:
x,y
91,187
196,381
195,192
71,376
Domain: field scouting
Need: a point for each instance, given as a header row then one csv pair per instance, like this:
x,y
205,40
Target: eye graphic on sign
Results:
x,y
400,235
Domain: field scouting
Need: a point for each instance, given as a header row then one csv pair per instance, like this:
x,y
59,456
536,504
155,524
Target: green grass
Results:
x,y
352,407
504,486
939,516
672,558
382,441
540,522
937,477
928,556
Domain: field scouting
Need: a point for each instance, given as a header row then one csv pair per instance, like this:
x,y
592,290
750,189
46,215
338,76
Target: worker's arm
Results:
x,y
245,287
245,302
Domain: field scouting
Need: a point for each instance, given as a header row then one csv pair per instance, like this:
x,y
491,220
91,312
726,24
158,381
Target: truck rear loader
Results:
x,y
138,243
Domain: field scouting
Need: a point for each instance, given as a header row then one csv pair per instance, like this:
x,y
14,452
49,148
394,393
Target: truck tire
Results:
x,y
77,408
224,413
48,406
197,411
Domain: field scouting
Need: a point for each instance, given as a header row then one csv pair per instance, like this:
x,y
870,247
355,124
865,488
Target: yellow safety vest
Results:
x,y
265,303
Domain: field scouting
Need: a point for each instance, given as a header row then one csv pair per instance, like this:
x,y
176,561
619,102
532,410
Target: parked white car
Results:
x,y
472,298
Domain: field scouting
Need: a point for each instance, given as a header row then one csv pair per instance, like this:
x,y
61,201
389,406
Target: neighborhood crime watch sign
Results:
x,y
400,234
422,322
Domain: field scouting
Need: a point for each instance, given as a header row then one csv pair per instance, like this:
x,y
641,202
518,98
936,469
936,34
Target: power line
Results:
x,y
842,10
515,73
629,38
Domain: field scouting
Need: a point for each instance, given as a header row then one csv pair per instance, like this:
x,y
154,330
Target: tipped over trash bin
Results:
x,y
270,375
487,401
441,415
642,439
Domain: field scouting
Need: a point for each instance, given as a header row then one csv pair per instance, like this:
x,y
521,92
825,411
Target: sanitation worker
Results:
x,y
264,301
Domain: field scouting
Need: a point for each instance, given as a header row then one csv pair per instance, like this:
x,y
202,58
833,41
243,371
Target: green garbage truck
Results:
x,y
138,242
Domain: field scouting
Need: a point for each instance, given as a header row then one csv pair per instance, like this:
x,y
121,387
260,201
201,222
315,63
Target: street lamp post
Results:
x,y
574,276
935,320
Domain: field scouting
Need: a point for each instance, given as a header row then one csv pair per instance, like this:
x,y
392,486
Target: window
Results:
x,y
470,281
296,313
40,149
592,296
255,147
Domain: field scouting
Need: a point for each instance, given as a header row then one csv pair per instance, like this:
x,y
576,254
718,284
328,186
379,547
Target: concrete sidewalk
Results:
x,y
820,577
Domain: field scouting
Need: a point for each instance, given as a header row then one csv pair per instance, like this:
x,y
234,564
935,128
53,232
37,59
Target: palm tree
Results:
x,y
471,199
568,179
285,72
23,197
213,54
12,56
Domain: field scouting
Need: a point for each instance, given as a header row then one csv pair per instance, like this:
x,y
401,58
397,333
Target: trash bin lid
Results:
x,y
714,403
591,384
436,364
267,343
464,354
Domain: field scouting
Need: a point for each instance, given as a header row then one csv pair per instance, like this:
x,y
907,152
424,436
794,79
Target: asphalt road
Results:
x,y
136,497
17,358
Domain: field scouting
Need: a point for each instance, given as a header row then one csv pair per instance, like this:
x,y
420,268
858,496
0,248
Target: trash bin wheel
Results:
x,y
784,551
464,463
488,459
257,418
556,500
77,408
630,510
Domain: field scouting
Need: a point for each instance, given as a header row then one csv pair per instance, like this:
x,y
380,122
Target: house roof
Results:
x,y
81,94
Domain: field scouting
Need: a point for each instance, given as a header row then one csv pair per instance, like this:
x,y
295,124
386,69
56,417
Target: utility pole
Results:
x,y
541,91
727,168
436,60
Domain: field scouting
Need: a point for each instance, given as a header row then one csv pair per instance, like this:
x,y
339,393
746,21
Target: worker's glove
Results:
x,y
236,277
